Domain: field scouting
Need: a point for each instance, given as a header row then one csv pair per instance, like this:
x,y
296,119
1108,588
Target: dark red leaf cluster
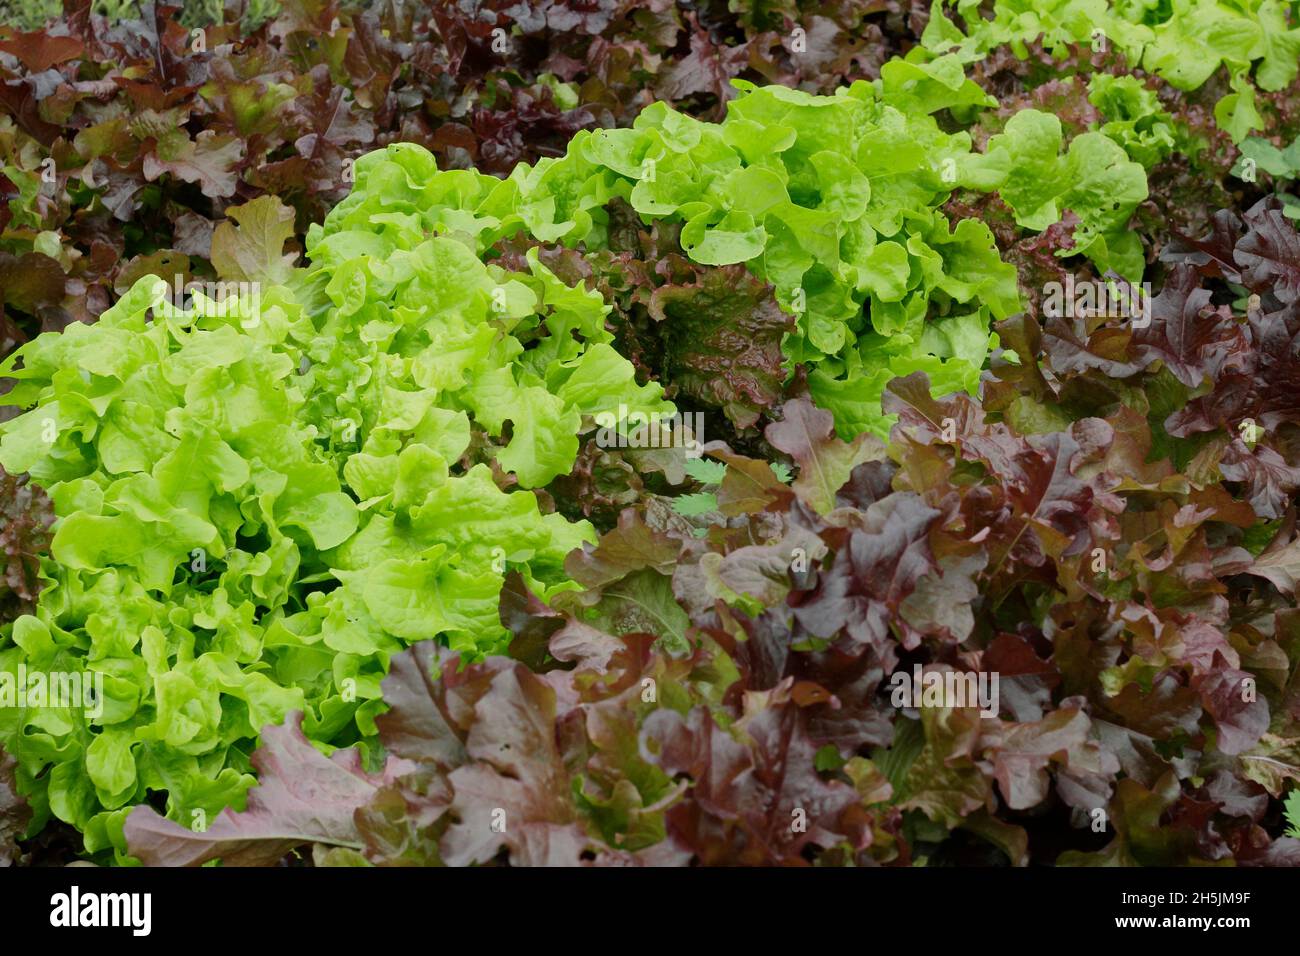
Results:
x,y
25,519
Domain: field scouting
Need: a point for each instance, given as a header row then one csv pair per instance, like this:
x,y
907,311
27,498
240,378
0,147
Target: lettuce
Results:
x,y
1184,42
834,200
1134,118
831,199
260,500
1095,179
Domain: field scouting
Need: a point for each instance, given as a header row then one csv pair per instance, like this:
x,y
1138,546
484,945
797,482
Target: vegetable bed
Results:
x,y
800,433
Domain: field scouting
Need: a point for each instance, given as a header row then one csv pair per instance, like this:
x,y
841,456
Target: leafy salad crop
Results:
x,y
1184,42
831,199
357,551
260,499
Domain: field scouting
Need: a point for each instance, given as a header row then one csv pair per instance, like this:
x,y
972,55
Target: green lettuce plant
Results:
x,y
834,200
1095,179
1134,118
1183,41
1283,164
260,500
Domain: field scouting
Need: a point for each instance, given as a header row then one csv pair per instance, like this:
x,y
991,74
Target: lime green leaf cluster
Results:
x,y
1281,163
259,500
1015,23
1134,118
832,199
1095,179
1182,41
